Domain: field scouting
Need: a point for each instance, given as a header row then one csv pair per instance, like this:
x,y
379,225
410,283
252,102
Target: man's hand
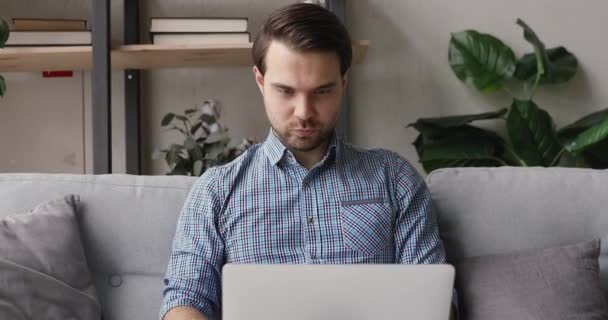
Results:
x,y
184,313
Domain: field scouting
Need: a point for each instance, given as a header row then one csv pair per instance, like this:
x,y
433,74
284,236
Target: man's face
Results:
x,y
302,94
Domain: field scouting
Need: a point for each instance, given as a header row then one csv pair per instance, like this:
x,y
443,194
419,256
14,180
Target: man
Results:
x,y
302,196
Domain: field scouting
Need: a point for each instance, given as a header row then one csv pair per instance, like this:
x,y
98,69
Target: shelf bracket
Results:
x,y
132,93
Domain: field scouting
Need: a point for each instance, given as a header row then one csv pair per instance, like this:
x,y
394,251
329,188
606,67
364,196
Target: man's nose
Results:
x,y
304,107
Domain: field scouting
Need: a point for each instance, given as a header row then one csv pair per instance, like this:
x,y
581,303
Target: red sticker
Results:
x,y
57,74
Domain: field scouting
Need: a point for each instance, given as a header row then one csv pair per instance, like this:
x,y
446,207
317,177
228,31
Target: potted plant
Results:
x,y
206,141
4,32
485,63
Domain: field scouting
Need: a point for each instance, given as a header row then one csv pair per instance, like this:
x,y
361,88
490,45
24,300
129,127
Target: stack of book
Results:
x,y
49,32
195,31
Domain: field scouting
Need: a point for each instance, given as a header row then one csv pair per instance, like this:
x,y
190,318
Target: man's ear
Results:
x,y
259,79
345,80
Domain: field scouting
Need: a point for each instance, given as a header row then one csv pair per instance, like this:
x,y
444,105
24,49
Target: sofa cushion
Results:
x,y
552,283
43,269
127,224
483,211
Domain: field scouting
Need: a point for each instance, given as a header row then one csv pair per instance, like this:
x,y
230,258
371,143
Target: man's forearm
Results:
x,y
184,313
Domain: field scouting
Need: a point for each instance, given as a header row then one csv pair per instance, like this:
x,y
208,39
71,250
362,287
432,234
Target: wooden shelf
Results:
x,y
45,58
145,56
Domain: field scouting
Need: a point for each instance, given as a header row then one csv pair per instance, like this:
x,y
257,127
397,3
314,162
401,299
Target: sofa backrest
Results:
x,y
127,224
485,211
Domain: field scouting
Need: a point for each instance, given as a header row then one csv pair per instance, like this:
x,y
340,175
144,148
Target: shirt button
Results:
x,y
309,220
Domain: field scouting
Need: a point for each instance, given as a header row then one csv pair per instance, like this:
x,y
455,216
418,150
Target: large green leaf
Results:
x,y
560,66
481,60
596,155
589,137
455,121
4,32
2,86
569,132
464,146
532,133
539,48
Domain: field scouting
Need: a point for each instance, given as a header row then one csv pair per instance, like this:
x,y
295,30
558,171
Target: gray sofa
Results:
x,y
128,222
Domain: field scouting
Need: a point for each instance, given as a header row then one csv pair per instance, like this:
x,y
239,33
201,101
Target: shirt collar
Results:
x,y
276,150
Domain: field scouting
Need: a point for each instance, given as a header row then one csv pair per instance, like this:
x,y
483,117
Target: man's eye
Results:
x,y
323,91
284,91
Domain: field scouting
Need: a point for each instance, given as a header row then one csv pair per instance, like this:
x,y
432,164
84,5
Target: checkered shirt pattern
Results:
x,y
355,206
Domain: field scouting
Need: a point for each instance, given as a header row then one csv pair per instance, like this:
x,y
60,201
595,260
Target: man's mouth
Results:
x,y
305,132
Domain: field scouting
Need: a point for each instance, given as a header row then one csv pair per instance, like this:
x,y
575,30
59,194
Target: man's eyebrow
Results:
x,y
323,86
280,85
327,85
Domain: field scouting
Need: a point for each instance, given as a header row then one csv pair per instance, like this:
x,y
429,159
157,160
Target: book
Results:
x,y
159,25
23,24
48,38
200,38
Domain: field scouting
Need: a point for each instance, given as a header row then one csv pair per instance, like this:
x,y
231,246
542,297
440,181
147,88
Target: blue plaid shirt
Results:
x,y
354,206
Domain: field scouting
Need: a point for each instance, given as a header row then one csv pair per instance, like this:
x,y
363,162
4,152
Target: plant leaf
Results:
x,y
532,133
215,137
456,121
561,66
180,117
481,60
207,118
542,61
2,86
197,153
569,132
214,150
195,128
4,32
190,111
172,155
157,154
190,144
197,169
589,137
167,119
459,146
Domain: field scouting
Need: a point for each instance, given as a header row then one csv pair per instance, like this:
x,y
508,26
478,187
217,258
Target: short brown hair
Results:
x,y
304,27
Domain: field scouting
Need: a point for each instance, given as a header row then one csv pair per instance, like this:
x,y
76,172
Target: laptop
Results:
x,y
336,292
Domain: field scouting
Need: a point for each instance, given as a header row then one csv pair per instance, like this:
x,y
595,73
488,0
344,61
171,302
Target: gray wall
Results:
x,y
405,74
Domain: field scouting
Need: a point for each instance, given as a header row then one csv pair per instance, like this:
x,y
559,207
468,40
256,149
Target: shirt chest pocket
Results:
x,y
367,225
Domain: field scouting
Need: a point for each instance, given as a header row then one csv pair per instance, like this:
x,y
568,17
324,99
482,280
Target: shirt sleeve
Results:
x,y
417,239
194,270
416,232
